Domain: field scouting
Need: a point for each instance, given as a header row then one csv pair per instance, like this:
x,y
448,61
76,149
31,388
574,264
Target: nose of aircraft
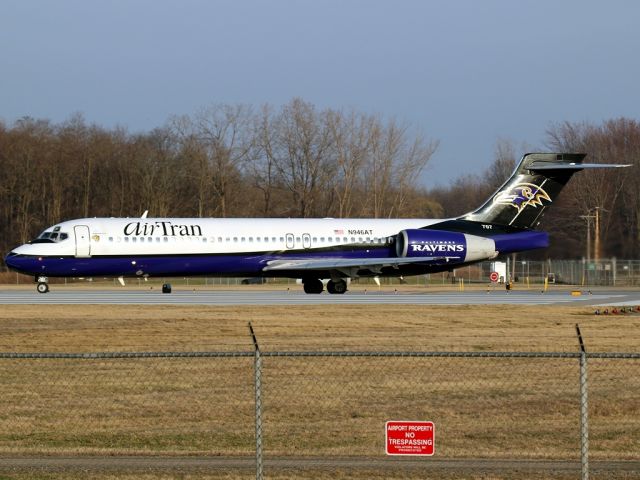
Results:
x,y
18,262
9,260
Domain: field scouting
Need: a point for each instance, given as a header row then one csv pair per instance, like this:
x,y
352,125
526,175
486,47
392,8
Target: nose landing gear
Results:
x,y
43,285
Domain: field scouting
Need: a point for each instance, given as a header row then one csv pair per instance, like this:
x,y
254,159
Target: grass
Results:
x,y
490,408
59,328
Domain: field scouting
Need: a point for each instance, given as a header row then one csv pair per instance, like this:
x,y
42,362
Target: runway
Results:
x,y
260,298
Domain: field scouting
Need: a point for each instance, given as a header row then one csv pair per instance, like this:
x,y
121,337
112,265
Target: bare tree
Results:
x,y
261,165
394,167
616,141
300,146
351,138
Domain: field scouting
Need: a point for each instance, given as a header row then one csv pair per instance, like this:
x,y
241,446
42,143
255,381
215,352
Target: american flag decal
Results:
x,y
338,232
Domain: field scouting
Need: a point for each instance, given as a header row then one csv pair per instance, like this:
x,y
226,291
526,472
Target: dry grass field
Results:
x,y
320,407
86,328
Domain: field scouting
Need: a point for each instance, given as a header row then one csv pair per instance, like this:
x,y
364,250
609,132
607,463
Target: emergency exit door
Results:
x,y
83,242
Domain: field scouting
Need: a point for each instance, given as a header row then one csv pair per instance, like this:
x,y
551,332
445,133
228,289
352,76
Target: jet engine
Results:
x,y
440,243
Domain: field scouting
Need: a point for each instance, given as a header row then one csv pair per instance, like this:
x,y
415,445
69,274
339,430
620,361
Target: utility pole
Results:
x,y
588,220
596,253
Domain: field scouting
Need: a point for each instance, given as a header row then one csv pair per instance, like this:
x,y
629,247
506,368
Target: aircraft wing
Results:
x,y
374,264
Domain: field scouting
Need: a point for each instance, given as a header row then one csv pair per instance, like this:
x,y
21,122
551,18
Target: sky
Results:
x,y
466,73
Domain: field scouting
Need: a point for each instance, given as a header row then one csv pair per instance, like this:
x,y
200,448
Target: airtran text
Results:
x,y
165,228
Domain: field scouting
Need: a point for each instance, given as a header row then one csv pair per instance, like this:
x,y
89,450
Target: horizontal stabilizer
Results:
x,y
540,166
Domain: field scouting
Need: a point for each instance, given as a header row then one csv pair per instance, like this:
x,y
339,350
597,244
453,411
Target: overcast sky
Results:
x,y
464,72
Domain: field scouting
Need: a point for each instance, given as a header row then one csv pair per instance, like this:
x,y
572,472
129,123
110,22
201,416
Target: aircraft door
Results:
x,y
306,240
83,243
289,238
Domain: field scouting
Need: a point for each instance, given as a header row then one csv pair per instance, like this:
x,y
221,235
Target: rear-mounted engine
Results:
x,y
437,243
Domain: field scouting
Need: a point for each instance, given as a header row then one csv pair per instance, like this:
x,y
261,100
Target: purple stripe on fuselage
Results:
x,y
247,264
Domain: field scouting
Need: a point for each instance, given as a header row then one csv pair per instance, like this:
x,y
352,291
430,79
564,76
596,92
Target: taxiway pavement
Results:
x,y
238,297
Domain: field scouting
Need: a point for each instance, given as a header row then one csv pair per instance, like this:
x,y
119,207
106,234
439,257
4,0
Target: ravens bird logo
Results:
x,y
522,195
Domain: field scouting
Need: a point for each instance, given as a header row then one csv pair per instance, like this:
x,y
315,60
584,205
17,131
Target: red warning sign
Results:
x,y
409,438
494,277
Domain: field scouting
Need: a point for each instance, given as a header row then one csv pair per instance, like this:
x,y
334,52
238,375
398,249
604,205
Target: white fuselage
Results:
x,y
162,236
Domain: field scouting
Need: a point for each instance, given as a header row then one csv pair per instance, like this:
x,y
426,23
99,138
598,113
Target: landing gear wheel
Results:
x,y
312,285
339,286
42,287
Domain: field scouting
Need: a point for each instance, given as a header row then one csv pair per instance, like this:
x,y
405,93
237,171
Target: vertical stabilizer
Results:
x,y
534,185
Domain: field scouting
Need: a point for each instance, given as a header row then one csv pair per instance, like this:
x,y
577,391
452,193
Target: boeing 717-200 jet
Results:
x,y
333,249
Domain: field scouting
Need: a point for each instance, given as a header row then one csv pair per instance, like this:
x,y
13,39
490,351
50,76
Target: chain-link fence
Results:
x,y
322,414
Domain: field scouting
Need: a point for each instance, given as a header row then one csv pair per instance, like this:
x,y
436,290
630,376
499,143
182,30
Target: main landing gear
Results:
x,y
314,285
339,286
43,285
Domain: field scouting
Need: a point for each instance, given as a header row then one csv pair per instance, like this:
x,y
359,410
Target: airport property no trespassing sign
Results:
x,y
404,437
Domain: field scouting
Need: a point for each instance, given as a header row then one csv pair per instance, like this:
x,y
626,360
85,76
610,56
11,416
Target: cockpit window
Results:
x,y
51,237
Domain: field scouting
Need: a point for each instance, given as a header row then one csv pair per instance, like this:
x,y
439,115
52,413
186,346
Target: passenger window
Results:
x,y
220,239
235,239
281,239
142,239
126,239
134,239
251,239
111,239
315,239
266,239
166,239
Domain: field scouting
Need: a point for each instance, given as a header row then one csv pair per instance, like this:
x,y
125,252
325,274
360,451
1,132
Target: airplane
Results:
x,y
333,249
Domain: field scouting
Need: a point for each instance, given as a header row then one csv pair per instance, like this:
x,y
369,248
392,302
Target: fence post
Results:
x,y
584,409
257,367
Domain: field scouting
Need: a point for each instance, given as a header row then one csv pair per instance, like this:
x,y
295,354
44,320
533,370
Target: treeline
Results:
x,y
223,161
291,161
